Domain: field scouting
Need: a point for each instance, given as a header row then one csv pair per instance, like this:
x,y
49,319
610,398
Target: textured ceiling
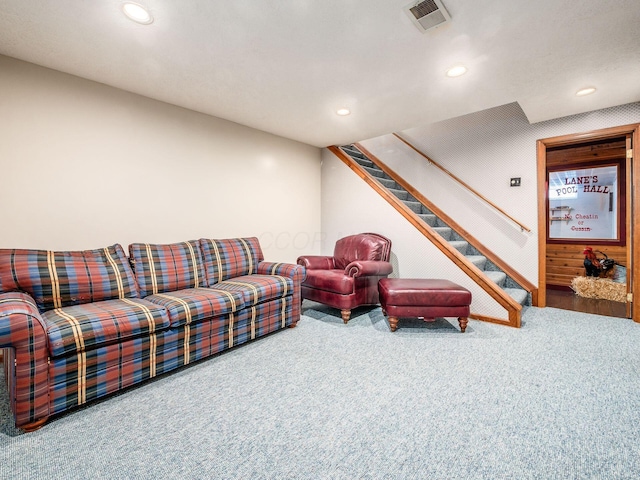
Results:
x,y
285,66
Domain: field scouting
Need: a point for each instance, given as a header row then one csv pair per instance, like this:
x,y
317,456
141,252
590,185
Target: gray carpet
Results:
x,y
558,398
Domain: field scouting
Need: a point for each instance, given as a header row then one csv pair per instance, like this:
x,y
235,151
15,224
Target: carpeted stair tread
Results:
x,y
376,172
444,232
497,277
478,260
389,183
429,218
416,207
519,295
355,153
365,162
401,194
459,245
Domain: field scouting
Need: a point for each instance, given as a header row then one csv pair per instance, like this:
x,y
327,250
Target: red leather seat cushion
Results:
x,y
329,280
422,292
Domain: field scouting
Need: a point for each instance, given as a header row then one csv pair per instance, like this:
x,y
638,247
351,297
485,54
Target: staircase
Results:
x,y
446,231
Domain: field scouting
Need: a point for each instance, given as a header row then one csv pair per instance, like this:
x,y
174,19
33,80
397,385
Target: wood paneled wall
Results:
x,y
613,149
565,261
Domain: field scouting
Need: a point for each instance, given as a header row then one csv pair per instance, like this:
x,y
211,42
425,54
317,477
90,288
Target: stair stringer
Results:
x,y
512,307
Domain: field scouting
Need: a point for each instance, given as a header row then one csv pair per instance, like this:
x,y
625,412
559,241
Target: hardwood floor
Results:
x,y
568,300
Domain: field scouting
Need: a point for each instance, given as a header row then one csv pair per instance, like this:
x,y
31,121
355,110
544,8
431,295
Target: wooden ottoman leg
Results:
x,y
463,323
393,323
346,315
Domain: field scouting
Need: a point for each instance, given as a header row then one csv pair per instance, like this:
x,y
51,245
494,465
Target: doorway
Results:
x,y
565,227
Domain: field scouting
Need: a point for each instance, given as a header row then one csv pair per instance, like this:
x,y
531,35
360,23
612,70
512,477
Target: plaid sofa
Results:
x,y
76,326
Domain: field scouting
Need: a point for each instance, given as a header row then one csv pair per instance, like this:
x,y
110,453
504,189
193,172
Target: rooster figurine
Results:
x,y
591,263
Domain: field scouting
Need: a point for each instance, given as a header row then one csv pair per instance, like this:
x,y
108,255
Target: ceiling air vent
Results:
x,y
427,14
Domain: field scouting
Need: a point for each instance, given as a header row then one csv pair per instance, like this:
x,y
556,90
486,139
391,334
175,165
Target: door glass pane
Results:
x,y
583,204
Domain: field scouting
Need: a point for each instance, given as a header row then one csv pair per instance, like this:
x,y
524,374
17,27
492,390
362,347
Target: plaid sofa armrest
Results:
x,y
22,330
296,272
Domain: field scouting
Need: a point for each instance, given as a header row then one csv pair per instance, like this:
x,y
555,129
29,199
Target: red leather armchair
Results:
x,y
350,277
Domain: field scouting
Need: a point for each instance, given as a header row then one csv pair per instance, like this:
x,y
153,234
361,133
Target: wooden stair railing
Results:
x,y
512,307
465,185
504,266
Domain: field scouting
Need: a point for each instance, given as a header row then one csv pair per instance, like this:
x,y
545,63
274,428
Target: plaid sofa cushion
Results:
x,y
229,258
83,327
62,279
257,288
167,268
195,304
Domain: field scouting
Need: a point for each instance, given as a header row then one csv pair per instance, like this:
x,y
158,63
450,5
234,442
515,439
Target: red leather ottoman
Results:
x,y
423,298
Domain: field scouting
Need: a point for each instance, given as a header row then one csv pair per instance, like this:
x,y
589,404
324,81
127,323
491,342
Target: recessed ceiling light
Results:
x,y
456,71
343,112
137,13
585,91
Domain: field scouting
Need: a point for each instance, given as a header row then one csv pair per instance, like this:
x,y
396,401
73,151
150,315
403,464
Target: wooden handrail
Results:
x,y
478,276
461,182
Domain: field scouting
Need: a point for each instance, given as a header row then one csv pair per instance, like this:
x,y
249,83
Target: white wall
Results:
x,y
485,150
84,165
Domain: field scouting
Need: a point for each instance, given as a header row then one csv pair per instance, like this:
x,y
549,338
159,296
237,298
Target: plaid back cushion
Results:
x,y
229,258
63,279
167,268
